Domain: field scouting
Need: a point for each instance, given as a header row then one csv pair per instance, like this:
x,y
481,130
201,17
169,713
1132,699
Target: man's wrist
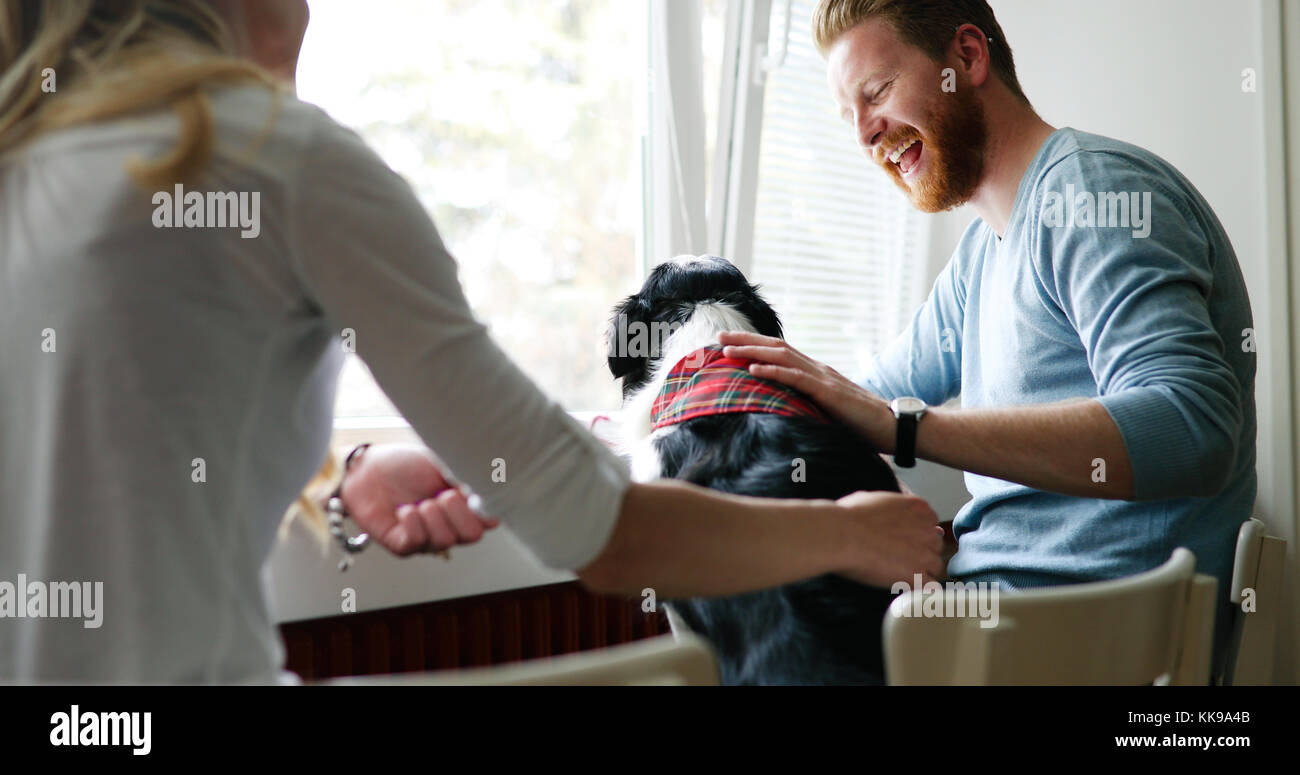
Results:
x,y
886,438
873,420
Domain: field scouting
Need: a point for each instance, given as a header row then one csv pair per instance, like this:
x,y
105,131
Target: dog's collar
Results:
x,y
707,383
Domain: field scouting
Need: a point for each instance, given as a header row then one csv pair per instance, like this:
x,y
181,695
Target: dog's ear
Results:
x,y
633,309
622,366
761,314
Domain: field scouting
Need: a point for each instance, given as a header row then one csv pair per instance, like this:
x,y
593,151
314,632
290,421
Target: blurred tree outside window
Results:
x,y
519,124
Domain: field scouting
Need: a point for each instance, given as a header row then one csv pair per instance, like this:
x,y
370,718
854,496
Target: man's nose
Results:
x,y
870,132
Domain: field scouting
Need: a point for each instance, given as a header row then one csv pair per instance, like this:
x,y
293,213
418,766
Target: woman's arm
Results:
x,y
371,264
684,540
674,537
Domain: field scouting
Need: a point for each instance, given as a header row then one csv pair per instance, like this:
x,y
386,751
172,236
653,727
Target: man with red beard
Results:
x,y
1091,318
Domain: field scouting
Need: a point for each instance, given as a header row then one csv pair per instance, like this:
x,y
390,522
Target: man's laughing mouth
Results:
x,y
906,157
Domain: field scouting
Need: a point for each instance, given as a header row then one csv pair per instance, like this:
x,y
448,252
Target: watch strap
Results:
x,y
905,441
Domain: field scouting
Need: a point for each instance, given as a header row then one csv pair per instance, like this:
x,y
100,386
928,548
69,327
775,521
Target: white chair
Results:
x,y
1154,627
668,660
1257,568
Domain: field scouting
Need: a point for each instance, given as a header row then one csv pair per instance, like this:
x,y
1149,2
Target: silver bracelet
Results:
x,y
336,512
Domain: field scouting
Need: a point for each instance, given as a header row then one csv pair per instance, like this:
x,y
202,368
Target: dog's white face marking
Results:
x,y
700,330
645,464
684,259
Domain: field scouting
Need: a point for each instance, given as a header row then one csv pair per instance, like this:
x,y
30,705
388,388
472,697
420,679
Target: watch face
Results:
x,y
909,405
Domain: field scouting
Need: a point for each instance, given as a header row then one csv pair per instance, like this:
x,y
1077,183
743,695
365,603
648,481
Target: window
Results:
x,y
839,250
519,124
552,142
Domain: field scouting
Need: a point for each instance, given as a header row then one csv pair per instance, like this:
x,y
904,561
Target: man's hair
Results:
x,y
927,24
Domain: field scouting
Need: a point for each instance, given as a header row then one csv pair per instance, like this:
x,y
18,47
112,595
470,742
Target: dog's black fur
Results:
x,y
825,630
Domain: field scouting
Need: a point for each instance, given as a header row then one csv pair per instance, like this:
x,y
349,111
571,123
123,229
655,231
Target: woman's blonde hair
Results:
x,y
307,508
109,58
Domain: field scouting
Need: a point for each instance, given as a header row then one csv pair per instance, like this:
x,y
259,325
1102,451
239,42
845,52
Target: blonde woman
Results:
x,y
167,382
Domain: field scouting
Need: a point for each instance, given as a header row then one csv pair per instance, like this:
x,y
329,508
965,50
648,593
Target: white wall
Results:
x,y
302,583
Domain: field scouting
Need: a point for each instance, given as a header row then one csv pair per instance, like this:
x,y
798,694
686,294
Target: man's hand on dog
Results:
x,y
397,493
848,402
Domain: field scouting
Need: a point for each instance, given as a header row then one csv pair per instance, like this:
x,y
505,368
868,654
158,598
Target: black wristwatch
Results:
x,y
909,410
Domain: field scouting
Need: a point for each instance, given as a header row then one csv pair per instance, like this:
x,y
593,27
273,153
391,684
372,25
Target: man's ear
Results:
x,y
972,47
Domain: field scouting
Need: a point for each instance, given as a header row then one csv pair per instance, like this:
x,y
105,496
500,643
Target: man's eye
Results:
x,y
874,96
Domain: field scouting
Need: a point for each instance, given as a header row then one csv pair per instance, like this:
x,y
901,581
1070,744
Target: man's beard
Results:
x,y
954,155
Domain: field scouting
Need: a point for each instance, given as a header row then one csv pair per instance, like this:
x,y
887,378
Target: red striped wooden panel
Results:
x,y
467,632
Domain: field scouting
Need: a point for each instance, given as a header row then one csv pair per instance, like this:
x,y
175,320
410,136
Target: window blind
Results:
x,y
838,248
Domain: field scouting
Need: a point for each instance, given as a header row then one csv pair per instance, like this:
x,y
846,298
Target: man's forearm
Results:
x,y
683,540
1072,447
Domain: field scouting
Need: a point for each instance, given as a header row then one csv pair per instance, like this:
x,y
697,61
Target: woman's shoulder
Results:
x,y
254,115
289,139
253,125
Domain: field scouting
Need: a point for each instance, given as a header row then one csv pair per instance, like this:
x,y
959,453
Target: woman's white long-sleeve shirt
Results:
x,y
166,392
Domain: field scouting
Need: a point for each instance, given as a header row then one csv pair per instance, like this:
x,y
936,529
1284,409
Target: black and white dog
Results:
x,y
825,630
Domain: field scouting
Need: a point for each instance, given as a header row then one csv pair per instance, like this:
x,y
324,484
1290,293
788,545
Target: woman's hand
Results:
x,y
895,537
849,403
687,541
397,493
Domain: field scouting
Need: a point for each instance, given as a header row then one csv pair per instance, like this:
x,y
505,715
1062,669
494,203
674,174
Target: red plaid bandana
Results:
x,y
705,383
